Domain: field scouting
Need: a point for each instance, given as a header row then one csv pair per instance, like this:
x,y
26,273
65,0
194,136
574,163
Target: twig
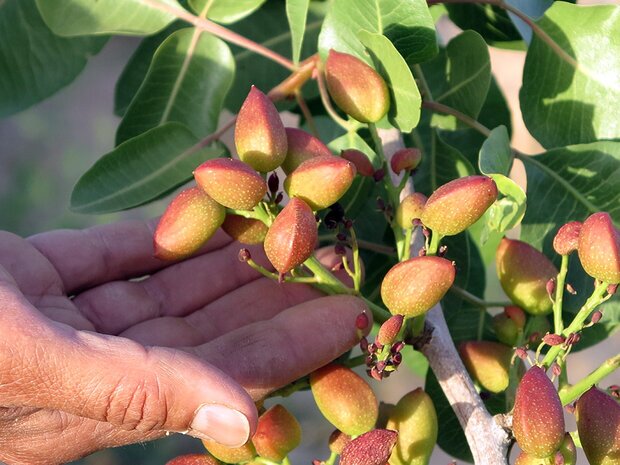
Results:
x,y
468,120
572,393
476,301
303,106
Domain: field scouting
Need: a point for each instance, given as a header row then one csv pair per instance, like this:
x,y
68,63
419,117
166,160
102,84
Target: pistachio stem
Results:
x,y
357,277
265,461
468,120
364,244
573,392
332,459
536,29
407,249
307,114
392,191
221,32
426,90
477,301
434,245
577,324
559,296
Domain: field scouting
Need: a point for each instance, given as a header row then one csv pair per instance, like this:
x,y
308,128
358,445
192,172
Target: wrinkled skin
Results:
x,y
90,359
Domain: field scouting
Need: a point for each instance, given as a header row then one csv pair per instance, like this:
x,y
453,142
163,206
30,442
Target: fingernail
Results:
x,y
221,424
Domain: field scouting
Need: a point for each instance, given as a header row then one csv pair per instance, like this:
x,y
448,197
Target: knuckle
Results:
x,y
137,405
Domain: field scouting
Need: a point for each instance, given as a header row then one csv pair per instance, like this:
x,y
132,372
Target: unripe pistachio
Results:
x,y
457,205
277,434
301,147
388,332
406,159
538,417
292,237
415,419
345,399
193,459
337,441
598,423
508,324
410,208
356,88
371,448
516,314
320,181
412,287
260,137
231,183
360,160
523,273
599,248
245,230
245,453
189,221
488,363
568,450
566,239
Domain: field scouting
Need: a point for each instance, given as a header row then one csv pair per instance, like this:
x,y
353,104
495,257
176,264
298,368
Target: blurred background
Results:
x,y
45,149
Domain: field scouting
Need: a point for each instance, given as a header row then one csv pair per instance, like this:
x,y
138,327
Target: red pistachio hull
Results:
x,y
345,399
538,417
524,273
356,88
292,237
188,222
260,137
457,205
231,183
599,248
413,287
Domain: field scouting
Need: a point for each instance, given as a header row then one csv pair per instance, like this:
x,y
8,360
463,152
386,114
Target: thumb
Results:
x,y
121,382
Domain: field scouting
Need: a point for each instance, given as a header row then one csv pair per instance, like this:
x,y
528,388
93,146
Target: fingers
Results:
x,y
267,355
117,381
175,291
85,258
258,300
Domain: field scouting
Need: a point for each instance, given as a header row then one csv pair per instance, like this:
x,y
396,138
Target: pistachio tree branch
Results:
x,y
488,441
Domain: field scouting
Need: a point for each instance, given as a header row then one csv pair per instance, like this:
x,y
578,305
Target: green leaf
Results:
x,y
406,23
141,170
36,63
275,34
441,164
566,103
491,22
187,82
495,161
297,14
495,154
88,17
569,184
226,11
460,77
405,102
138,65
360,191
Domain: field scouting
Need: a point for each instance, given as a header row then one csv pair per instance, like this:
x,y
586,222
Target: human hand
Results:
x,y
91,358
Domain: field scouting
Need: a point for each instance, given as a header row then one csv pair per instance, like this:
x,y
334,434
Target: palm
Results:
x,y
211,306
